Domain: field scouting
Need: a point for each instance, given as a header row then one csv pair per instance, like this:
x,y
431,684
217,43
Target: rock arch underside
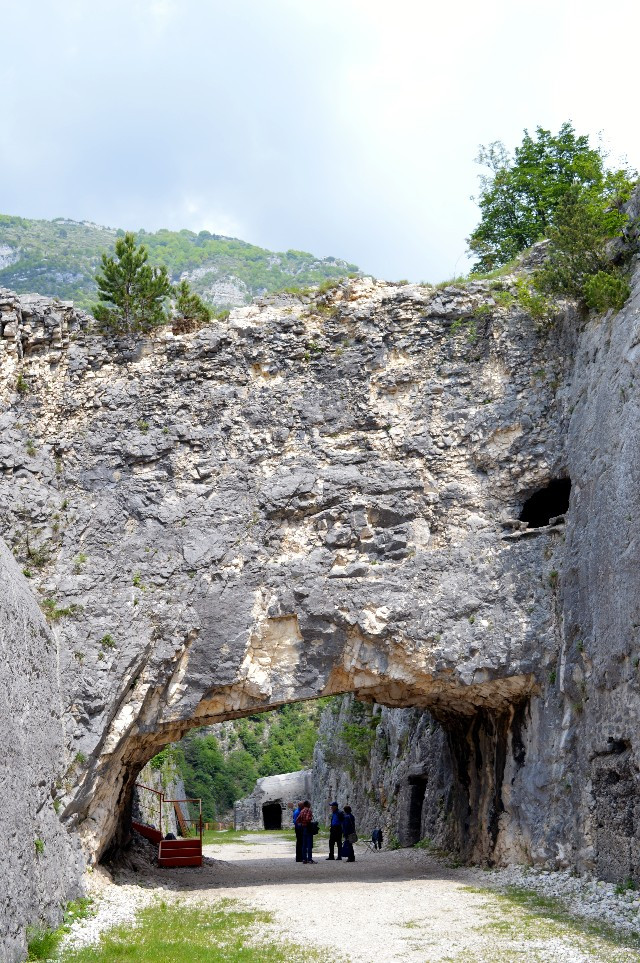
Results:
x,y
322,495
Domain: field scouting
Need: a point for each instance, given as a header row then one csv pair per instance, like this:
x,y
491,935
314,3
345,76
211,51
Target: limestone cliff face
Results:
x,y
308,499
146,808
570,792
40,865
404,784
321,495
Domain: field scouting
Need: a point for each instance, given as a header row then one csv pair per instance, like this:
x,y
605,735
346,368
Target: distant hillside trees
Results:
x,y
60,258
220,772
555,186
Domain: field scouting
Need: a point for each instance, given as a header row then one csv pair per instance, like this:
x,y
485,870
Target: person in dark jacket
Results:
x,y
335,830
376,838
299,831
305,818
348,827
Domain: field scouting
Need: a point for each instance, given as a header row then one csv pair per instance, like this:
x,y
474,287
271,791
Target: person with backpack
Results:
x,y
335,830
305,820
298,831
350,837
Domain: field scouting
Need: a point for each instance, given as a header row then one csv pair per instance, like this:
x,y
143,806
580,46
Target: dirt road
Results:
x,y
384,908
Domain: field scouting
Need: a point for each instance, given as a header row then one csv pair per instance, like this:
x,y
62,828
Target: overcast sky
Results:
x,y
344,127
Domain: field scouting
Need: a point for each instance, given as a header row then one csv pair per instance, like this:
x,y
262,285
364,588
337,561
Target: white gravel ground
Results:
x,y
386,907
113,904
587,898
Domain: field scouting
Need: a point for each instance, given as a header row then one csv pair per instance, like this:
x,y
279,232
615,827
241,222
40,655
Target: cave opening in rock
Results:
x,y
272,815
418,787
547,503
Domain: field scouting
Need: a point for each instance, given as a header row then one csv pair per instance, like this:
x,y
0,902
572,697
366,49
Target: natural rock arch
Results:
x,y
308,499
468,713
354,464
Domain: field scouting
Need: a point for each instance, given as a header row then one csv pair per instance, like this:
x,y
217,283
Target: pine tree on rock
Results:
x,y
190,311
132,293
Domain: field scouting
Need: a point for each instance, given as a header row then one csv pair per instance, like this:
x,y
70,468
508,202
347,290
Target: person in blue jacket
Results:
x,y
348,827
299,831
335,830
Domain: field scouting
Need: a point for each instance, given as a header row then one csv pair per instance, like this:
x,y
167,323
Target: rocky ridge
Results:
x,y
60,258
276,467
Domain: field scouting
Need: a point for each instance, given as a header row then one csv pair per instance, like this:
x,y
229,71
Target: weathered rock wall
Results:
x,y
598,675
319,496
146,806
570,788
313,497
40,864
404,785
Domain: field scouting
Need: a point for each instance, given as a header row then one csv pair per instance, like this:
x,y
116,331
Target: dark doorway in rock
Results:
x,y
418,787
272,815
547,503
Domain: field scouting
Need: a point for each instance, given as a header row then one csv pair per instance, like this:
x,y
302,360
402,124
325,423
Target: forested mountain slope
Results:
x,y
60,257
221,763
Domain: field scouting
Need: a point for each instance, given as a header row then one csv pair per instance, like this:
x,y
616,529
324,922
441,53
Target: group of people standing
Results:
x,y
342,832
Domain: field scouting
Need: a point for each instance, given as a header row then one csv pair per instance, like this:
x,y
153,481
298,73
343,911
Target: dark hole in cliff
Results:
x,y
272,816
418,786
547,503
618,746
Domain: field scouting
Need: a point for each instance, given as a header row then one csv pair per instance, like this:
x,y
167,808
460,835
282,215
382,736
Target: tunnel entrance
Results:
x,y
272,815
417,789
547,503
454,808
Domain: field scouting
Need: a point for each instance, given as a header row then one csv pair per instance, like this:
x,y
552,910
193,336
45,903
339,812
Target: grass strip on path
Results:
x,y
216,837
177,933
527,925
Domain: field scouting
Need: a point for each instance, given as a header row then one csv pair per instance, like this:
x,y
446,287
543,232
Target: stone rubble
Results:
x,y
583,896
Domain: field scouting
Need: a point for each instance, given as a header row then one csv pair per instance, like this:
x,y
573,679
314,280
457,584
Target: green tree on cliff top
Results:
x,y
132,294
189,310
523,196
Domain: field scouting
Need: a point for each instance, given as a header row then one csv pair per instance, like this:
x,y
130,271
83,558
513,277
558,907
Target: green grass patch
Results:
x,y
222,837
423,844
43,943
177,933
226,837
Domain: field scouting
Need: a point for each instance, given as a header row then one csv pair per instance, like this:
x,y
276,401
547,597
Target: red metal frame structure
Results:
x,y
186,851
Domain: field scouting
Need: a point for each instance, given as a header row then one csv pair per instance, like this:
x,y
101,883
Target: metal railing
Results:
x,y
189,826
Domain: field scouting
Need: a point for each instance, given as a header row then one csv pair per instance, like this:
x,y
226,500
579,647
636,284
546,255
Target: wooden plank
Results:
x,y
180,861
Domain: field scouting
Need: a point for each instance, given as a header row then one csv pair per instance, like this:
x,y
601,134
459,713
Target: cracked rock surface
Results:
x,y
321,495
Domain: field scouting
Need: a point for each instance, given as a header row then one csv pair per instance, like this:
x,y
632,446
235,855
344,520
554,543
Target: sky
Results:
x,y
341,127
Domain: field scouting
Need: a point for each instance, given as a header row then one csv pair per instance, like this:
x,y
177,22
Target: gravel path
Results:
x,y
386,907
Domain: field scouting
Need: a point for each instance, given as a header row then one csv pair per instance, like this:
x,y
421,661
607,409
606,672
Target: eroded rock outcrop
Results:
x,y
322,495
